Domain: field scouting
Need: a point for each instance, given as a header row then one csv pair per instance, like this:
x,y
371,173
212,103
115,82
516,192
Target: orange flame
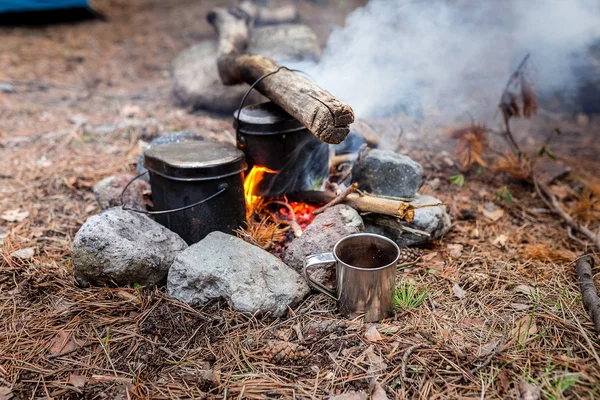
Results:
x,y
254,177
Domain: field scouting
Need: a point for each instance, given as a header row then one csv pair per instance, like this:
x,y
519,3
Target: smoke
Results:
x,y
450,58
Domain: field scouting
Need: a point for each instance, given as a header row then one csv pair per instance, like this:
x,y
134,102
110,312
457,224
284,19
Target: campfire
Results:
x,y
287,248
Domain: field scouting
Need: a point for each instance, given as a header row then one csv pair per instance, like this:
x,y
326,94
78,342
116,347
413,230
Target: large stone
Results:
x,y
433,220
387,173
285,42
196,81
320,236
172,137
123,247
108,192
250,279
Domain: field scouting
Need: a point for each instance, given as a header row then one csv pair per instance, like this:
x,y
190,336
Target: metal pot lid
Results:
x,y
195,161
265,119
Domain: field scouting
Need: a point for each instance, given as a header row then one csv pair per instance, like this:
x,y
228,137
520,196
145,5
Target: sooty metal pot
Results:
x,y
272,138
198,186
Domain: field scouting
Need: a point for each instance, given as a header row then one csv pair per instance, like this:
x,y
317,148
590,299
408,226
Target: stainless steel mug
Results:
x,y
365,275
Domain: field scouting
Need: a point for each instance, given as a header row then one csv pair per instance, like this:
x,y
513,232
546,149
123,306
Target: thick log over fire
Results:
x,y
322,113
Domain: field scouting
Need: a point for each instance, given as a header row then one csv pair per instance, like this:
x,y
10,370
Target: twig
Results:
x,y
405,357
589,295
294,222
547,197
338,199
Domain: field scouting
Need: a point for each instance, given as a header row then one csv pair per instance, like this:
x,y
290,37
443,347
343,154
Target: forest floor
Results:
x,y
519,317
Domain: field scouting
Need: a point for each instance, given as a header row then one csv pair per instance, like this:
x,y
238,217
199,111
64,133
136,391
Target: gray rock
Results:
x,y
172,137
123,247
285,42
433,220
248,277
387,173
320,237
108,191
6,88
196,81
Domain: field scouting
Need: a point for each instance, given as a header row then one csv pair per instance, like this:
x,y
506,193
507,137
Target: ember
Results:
x,y
303,212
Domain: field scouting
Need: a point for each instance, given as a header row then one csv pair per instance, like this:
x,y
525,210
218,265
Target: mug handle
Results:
x,y
317,259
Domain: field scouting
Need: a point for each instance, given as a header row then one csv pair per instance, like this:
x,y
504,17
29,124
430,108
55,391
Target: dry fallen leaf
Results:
x,y
14,215
376,363
494,215
78,381
528,391
5,393
503,383
471,322
524,329
524,289
430,256
377,391
458,291
24,254
500,241
488,348
372,334
62,342
455,250
129,297
350,396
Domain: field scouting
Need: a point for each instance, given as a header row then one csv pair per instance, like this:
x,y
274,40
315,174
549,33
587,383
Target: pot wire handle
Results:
x,y
318,259
222,187
256,82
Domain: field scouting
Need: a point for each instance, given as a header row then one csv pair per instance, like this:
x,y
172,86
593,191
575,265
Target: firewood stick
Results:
x,y
364,203
338,199
550,200
589,295
317,109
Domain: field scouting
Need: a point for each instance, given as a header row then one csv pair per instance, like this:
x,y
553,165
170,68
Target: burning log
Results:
x,y
323,114
364,203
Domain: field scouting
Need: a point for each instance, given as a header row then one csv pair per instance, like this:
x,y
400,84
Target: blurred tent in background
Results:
x,y
15,6
44,12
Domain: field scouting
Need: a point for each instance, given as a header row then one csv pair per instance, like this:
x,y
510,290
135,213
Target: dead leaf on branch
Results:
x,y
528,98
472,142
509,105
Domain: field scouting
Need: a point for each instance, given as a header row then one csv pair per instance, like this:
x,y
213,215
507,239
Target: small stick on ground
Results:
x,y
338,199
589,295
547,197
407,354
